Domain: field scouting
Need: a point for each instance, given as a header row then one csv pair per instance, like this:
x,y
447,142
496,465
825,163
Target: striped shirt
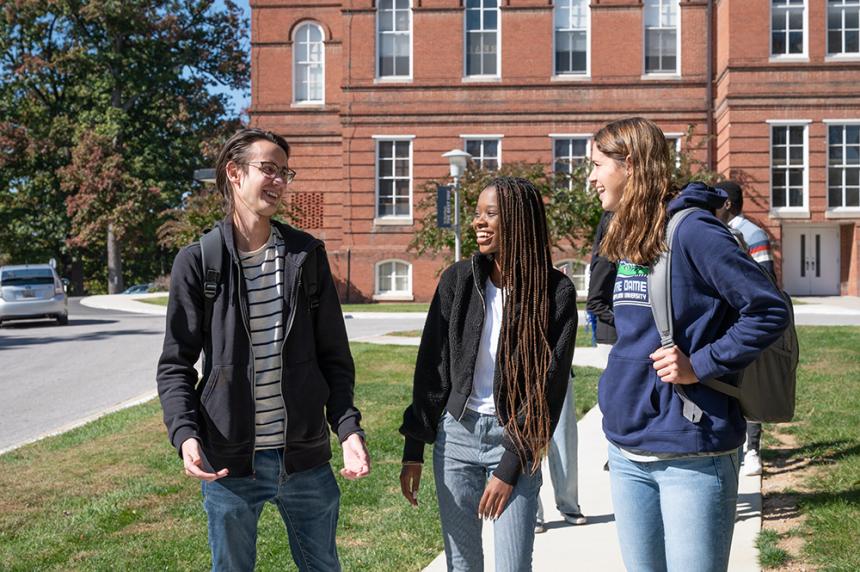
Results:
x,y
757,240
263,270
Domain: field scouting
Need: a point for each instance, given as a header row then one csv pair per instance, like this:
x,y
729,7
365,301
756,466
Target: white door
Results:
x,y
810,260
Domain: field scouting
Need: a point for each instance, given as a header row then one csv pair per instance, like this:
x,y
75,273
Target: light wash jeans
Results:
x,y
464,456
676,515
563,460
308,502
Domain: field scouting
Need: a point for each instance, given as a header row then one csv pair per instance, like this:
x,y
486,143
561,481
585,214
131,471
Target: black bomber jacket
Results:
x,y
449,349
318,374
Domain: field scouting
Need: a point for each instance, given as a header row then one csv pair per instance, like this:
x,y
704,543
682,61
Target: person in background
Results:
x,y
600,286
758,246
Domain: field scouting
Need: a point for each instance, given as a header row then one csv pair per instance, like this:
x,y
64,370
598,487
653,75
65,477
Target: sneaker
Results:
x,y
539,527
574,518
752,463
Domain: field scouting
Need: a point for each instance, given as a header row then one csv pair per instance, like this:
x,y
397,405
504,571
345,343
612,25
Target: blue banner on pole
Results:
x,y
443,206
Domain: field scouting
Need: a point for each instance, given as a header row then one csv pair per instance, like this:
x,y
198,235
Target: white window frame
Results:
x,y
573,75
296,63
843,55
676,137
789,212
586,276
392,295
378,48
580,136
496,138
789,57
843,211
482,77
405,220
661,74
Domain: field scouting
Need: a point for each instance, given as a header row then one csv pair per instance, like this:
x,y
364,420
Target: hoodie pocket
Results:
x,y
628,395
227,409
307,394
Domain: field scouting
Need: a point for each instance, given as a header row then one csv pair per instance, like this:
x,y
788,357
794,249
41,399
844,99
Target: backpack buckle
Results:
x,y
210,285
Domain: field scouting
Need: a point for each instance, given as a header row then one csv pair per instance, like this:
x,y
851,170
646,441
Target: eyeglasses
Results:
x,y
271,170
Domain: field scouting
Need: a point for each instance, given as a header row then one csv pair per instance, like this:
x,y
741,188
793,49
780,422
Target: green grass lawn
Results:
x,y
111,494
158,300
827,429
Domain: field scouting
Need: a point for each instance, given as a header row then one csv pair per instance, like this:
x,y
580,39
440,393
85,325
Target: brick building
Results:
x,y
370,93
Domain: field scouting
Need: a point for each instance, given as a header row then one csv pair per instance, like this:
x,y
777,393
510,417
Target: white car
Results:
x,y
32,291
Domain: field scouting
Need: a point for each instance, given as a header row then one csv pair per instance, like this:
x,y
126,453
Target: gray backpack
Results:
x,y
766,387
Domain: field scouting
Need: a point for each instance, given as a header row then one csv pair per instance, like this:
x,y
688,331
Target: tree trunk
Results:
x,y
114,260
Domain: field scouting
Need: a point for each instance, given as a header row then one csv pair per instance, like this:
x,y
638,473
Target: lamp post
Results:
x,y
457,160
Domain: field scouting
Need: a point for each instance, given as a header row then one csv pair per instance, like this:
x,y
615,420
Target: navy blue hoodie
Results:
x,y
725,312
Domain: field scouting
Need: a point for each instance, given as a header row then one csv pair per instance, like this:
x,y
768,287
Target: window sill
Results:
x,y
482,79
393,221
573,77
308,105
790,213
797,58
842,58
392,80
842,213
660,76
393,297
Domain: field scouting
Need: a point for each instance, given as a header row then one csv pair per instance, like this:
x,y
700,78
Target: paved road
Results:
x,y
54,376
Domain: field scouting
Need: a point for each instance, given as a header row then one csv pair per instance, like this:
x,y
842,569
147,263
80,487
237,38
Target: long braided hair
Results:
x,y
525,352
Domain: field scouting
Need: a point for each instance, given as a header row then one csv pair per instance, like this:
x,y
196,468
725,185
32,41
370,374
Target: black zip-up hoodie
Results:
x,y
318,374
445,366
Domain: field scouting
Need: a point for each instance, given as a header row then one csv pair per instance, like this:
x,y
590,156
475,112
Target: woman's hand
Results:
x,y
410,479
673,366
495,498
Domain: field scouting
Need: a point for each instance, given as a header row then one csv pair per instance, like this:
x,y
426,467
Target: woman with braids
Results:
x,y
673,441
490,379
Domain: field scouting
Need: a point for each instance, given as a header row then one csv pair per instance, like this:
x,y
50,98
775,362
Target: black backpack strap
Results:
x,y
310,278
211,257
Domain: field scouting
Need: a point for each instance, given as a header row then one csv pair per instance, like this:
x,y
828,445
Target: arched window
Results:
x,y
393,280
578,272
308,64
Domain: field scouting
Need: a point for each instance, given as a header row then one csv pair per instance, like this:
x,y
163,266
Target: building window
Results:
x,y
394,39
393,178
486,153
787,27
661,36
788,167
482,37
393,279
673,140
843,27
571,37
843,162
578,272
309,64
569,153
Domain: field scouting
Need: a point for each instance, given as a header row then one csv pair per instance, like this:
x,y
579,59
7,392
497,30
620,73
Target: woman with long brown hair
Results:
x,y
673,441
490,379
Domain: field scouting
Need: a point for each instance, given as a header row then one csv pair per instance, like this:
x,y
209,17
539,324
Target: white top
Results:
x,y
264,279
481,398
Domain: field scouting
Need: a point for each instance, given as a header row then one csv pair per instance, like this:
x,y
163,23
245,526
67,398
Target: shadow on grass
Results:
x,y
790,459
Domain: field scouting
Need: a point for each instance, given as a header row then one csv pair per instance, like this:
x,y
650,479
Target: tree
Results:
x,y
572,210
109,114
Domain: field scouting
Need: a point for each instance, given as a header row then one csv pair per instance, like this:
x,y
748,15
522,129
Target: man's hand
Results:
x,y
673,366
410,479
192,461
356,459
494,499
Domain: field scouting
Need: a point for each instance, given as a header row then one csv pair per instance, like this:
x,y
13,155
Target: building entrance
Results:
x,y
810,260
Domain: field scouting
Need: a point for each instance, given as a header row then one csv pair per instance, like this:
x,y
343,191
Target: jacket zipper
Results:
x,y
246,324
294,298
483,319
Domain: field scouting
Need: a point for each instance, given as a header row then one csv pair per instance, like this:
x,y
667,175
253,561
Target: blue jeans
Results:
x,y
675,515
308,502
563,459
464,456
